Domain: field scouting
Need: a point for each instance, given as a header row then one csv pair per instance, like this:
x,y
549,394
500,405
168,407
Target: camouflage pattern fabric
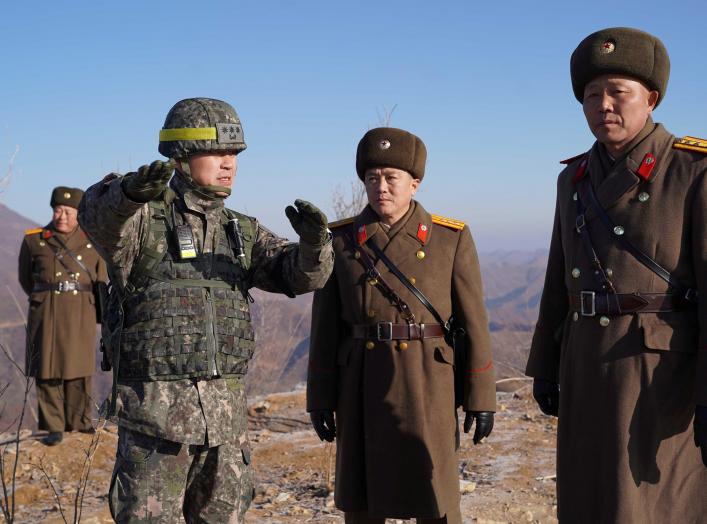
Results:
x,y
157,480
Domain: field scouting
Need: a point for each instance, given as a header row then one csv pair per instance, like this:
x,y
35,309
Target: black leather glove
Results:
x,y
484,424
309,223
701,431
547,394
323,423
149,182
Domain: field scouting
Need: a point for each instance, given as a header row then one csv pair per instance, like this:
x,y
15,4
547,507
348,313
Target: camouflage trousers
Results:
x,y
160,481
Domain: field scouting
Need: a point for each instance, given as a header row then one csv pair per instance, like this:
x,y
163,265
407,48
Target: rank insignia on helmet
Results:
x,y
647,165
422,230
229,133
691,143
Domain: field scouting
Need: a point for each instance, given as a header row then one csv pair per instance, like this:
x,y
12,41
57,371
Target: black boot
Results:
x,y
53,438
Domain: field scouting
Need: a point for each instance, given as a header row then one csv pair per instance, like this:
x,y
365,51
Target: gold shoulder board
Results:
x,y
33,231
448,222
691,143
342,222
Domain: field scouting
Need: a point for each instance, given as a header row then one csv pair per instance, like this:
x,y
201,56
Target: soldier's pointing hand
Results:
x,y
308,222
149,181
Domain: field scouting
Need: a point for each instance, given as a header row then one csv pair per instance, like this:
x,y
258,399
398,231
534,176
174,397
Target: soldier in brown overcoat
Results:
x,y
378,357
620,348
58,267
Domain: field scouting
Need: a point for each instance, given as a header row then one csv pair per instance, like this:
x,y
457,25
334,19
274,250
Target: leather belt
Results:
x,y
61,287
383,331
590,303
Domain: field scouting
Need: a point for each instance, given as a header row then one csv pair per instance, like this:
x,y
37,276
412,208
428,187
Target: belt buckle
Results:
x,y
67,286
592,301
385,331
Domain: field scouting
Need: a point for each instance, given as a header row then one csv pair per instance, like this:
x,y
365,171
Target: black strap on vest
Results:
x,y
690,294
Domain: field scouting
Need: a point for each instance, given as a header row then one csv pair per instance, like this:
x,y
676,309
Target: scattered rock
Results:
x,y
466,486
282,497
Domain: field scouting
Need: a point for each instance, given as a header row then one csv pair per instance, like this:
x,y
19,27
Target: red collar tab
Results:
x,y
422,231
581,170
47,233
647,165
361,235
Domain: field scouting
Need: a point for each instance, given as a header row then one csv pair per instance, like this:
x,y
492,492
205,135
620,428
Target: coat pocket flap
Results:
x,y
676,334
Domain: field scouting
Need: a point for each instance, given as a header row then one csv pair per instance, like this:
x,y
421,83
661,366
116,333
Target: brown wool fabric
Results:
x,y
624,51
391,147
66,196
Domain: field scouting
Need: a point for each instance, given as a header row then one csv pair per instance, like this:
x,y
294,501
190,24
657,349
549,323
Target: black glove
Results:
x,y
701,431
547,394
149,182
309,223
484,424
323,423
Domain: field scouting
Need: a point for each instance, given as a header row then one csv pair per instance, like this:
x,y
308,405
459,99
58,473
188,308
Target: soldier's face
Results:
x,y
616,108
389,192
213,169
65,219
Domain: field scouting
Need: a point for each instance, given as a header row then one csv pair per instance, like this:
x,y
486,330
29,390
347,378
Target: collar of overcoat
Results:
x,y
625,174
74,241
412,232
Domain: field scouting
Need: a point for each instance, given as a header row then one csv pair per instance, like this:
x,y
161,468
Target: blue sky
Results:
x,y
86,86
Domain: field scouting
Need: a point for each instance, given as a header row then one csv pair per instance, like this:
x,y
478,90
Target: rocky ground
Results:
x,y
507,479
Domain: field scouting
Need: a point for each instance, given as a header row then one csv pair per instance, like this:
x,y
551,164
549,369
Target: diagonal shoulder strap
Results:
x,y
406,282
74,257
688,293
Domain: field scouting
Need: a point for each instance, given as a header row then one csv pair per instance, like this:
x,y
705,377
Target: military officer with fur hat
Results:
x,y
384,357
179,335
58,269
620,348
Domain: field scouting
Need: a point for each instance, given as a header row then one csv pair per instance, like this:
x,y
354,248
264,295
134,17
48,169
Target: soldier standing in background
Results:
x,y
620,348
181,265
381,356
58,268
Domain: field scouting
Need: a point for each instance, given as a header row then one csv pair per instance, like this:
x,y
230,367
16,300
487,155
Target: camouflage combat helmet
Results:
x,y
197,125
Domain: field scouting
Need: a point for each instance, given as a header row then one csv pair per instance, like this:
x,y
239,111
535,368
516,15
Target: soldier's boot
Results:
x,y
54,438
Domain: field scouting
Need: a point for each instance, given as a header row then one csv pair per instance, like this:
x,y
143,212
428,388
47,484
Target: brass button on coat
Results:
x,y
643,196
575,316
576,272
609,272
413,280
619,230
420,255
373,281
57,274
357,255
371,313
403,345
604,321
370,345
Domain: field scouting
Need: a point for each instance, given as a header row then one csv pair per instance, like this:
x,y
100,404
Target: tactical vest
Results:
x,y
185,318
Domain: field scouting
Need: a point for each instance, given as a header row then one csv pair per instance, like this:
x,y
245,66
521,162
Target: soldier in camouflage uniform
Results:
x,y
179,335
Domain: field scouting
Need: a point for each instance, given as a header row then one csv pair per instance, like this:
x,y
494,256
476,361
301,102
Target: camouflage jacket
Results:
x,y
190,411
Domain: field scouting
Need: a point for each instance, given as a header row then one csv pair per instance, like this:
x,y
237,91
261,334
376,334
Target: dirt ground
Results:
x,y
507,479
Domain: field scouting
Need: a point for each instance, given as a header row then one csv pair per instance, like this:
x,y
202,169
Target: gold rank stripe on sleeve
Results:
x,y
691,143
33,231
448,222
342,222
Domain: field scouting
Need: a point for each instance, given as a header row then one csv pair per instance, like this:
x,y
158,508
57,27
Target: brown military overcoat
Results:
x,y
628,389
61,327
397,431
